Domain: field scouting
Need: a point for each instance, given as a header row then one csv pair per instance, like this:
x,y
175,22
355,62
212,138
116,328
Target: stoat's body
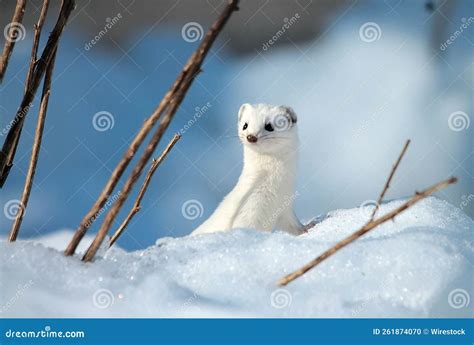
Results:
x,y
263,197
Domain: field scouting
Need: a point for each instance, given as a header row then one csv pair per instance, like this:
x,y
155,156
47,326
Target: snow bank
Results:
x,y
418,266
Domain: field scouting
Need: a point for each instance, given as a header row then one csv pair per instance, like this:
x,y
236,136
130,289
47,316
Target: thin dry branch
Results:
x,y
35,150
15,29
387,183
90,217
366,228
36,39
137,205
41,119
190,71
8,151
180,86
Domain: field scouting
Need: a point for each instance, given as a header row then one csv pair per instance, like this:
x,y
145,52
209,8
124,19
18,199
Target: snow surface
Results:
x,y
406,268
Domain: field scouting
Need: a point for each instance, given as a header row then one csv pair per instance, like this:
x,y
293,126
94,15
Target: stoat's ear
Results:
x,y
291,112
243,108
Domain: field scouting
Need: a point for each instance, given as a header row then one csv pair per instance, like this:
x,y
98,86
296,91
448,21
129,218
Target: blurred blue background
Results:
x,y
358,94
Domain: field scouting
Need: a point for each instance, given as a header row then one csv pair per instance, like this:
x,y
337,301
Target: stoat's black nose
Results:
x,y
252,138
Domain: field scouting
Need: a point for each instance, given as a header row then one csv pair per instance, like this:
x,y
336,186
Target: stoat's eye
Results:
x,y
245,126
269,127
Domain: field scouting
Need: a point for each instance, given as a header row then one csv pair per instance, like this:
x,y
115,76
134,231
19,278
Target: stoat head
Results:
x,y
267,128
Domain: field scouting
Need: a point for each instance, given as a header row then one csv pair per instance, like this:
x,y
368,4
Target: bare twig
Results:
x,y
8,151
35,151
366,228
36,39
41,118
90,217
387,183
190,71
137,205
13,31
179,87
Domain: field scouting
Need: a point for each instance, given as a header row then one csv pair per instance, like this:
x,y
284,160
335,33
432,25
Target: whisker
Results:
x,y
263,137
275,138
230,137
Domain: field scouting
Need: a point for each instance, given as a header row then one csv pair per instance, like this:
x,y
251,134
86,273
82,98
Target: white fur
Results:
x,y
263,197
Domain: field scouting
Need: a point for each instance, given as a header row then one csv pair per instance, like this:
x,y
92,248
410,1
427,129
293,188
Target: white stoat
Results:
x,y
263,197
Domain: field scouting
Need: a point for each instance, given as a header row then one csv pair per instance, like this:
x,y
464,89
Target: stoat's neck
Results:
x,y
255,161
276,168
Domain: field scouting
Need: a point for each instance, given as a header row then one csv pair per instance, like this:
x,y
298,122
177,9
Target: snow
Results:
x,y
357,103
406,268
59,239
